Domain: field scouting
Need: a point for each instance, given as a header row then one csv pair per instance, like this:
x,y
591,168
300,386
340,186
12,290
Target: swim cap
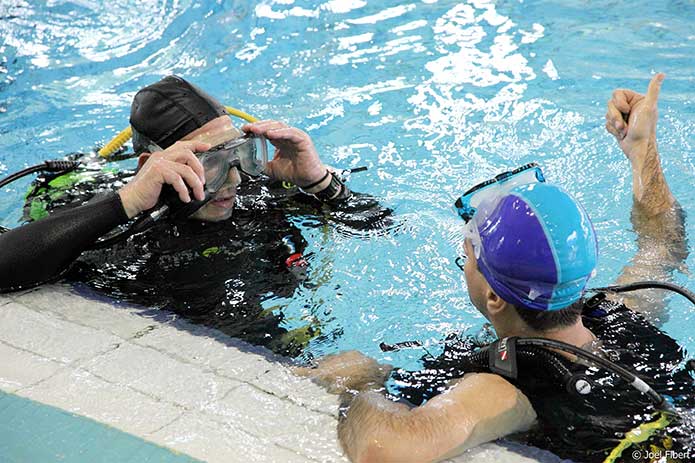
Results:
x,y
168,110
535,246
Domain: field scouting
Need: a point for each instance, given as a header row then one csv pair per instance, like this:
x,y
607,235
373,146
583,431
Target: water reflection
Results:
x,y
432,96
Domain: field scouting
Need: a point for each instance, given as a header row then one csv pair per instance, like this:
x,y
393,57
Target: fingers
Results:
x,y
187,157
192,145
654,89
615,124
624,99
183,152
192,180
613,131
276,130
172,178
290,134
182,177
263,127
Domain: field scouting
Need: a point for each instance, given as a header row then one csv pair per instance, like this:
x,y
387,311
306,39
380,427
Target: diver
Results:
x,y
584,377
195,168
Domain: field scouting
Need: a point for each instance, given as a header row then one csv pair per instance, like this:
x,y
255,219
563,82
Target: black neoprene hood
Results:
x,y
170,109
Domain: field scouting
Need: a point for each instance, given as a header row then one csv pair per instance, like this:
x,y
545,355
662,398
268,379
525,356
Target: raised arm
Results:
x,y
656,216
478,408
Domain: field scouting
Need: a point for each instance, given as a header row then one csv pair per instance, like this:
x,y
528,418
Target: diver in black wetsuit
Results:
x,y
212,268
590,380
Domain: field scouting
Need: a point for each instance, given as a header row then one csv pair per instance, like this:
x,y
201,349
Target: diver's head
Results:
x,y
172,110
168,111
531,249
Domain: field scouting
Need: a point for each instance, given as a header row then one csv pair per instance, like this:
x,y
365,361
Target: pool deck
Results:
x,y
185,387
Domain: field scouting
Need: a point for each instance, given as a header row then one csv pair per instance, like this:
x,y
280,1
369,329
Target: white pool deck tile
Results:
x,y
158,375
186,387
115,404
19,369
213,441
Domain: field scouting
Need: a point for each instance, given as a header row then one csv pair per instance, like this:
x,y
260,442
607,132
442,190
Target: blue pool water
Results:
x,y
433,96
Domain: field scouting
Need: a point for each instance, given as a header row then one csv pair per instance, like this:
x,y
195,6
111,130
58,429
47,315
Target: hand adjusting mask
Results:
x,y
248,153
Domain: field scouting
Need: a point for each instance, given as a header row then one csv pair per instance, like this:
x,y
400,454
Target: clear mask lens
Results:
x,y
253,155
250,153
216,167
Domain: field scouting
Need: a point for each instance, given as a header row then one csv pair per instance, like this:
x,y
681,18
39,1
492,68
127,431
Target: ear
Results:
x,y
142,159
495,305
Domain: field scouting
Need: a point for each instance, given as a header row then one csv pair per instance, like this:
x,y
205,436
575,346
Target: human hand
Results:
x,y
177,166
295,159
631,117
347,371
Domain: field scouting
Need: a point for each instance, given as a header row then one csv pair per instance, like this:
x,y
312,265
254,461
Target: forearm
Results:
x,y
366,430
42,250
659,224
477,409
652,195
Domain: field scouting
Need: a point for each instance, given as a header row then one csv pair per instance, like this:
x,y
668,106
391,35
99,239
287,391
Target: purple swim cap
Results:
x,y
535,246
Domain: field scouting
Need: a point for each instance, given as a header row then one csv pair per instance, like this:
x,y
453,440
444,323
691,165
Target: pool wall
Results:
x,y
146,373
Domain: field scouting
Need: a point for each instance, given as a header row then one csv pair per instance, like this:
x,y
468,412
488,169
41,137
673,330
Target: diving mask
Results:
x,y
249,153
485,193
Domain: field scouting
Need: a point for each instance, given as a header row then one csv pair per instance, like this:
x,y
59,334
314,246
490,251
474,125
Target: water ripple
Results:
x,y
432,96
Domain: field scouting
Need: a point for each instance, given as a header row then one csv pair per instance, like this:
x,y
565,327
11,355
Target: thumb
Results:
x,y
654,89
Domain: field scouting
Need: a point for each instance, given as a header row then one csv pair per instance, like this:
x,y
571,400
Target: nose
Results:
x,y
233,177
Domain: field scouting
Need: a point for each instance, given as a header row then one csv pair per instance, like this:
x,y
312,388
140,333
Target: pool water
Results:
x,y
432,96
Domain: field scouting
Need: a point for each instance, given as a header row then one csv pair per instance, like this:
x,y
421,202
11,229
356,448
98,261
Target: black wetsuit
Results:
x,y
587,428
223,275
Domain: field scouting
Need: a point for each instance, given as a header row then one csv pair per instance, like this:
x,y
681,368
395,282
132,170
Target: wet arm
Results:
x,y
657,219
478,409
659,223
656,216
41,251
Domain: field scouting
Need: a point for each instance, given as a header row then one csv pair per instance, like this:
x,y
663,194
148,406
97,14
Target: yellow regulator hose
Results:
x,y
125,134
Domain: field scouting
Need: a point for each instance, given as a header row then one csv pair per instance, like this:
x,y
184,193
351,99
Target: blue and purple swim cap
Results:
x,y
535,246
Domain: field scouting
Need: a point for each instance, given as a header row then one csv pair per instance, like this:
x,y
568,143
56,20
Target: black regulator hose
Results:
x,y
480,360
649,284
625,374
47,166
539,349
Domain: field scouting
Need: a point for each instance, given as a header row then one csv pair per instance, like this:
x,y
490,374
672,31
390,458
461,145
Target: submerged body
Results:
x,y
231,274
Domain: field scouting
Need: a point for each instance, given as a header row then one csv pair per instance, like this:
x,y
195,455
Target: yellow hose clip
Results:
x,y
125,134
637,435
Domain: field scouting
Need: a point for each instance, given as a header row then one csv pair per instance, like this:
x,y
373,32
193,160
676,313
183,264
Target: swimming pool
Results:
x,y
432,96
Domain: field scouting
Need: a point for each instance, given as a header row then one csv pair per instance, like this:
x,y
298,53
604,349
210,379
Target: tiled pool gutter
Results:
x,y
189,390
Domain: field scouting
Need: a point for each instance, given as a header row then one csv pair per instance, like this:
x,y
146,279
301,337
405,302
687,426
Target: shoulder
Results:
x,y
485,395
